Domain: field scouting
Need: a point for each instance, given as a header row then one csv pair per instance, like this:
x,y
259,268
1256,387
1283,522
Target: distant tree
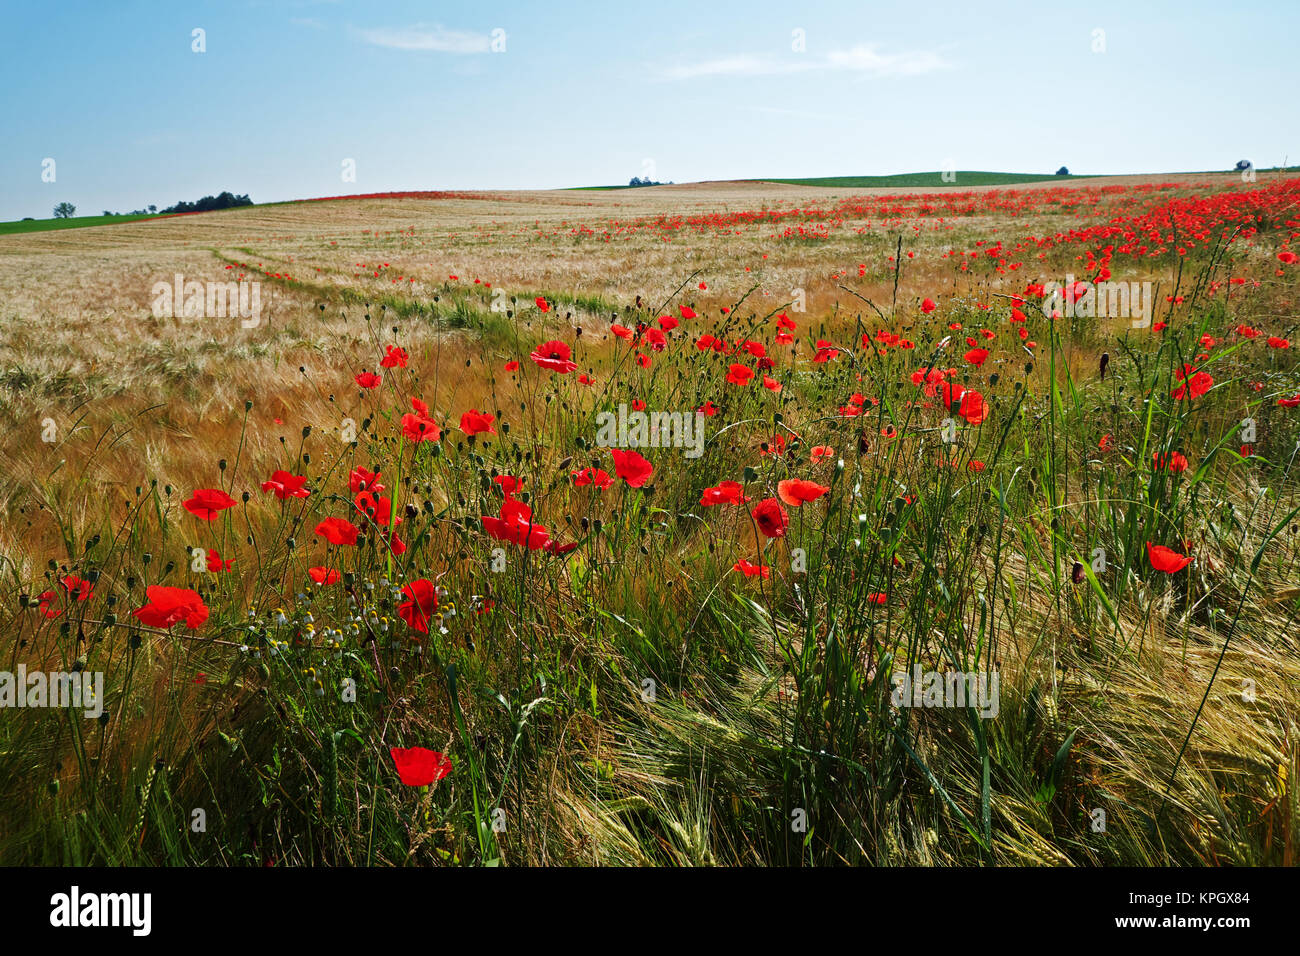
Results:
x,y
1243,164
1062,171
153,208
225,200
64,210
635,181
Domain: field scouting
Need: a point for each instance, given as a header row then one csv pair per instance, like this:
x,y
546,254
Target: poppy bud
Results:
x,y
1077,573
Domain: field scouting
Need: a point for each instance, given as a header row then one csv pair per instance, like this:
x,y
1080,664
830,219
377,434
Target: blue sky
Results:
x,y
587,93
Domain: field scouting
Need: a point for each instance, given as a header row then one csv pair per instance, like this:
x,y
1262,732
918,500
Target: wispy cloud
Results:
x,y
863,59
307,22
430,37
803,114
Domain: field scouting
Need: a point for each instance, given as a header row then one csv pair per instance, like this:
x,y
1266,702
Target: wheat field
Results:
x,y
932,474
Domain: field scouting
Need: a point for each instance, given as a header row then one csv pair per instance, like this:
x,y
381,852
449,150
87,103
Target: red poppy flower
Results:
x,y
724,493
592,476
421,601
374,506
77,587
542,304
821,453
622,331
877,598
631,467
667,323
394,357
392,541
554,356
368,379
1287,257
207,503
1290,402
1197,385
512,366
752,570
739,374
928,306
338,531
362,480
420,428
324,575
1175,462
47,599
688,312
1278,343
168,606
1165,559
771,518
286,485
970,404
508,484
976,357
771,384
215,564
825,351
795,491
418,766
474,422
515,525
